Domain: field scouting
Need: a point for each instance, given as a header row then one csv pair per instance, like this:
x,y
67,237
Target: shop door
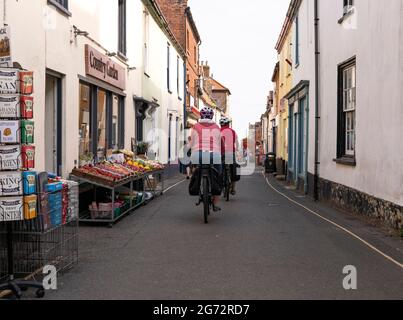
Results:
x,y
301,137
53,125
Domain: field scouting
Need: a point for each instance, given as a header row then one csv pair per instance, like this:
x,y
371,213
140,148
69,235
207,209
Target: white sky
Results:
x,y
238,40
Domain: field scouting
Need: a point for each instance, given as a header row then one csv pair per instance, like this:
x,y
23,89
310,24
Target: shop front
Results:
x,y
101,107
113,181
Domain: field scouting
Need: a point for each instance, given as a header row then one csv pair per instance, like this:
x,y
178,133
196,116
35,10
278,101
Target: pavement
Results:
x,y
262,246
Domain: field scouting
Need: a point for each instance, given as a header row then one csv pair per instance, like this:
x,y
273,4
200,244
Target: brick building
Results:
x,y
182,24
221,96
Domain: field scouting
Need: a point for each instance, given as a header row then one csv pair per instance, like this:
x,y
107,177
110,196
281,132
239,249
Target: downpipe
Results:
x,y
317,108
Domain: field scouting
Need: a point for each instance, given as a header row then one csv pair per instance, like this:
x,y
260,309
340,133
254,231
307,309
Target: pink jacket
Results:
x,y
206,136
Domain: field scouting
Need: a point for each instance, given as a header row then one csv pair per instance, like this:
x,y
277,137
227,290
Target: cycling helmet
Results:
x,y
225,121
207,113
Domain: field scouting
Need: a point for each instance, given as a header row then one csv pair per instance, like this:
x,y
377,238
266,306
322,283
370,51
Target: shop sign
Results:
x,y
5,48
104,68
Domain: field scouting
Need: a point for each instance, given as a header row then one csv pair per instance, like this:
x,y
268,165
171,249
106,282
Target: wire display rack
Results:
x,y
49,239
151,182
3,257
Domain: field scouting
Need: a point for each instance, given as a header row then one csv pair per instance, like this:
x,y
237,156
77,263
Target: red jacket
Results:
x,y
229,140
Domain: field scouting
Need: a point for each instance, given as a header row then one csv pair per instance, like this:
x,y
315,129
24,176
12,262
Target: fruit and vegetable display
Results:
x,y
114,172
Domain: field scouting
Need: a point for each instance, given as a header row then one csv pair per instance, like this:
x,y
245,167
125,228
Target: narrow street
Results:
x,y
262,246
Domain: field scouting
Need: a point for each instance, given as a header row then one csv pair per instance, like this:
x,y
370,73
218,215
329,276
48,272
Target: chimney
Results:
x,y
206,70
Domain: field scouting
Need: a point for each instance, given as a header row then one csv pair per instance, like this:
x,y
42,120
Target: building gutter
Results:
x,y
317,107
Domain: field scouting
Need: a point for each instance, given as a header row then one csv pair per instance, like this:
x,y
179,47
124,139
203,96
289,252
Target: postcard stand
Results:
x,y
16,287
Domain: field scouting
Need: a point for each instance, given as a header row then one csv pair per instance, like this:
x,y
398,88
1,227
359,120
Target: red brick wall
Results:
x,y
174,12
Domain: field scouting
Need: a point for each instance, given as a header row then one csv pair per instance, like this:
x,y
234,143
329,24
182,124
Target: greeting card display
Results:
x,y
30,203
9,81
9,132
27,132
16,106
29,182
11,209
11,184
26,80
28,156
10,159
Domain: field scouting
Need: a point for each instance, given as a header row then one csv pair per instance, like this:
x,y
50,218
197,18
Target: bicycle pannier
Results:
x,y
216,183
194,186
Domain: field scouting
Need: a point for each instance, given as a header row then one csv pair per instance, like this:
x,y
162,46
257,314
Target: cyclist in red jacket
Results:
x,y
229,147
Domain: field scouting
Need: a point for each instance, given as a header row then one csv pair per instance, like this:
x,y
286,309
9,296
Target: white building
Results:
x,y
79,108
362,131
360,118
160,107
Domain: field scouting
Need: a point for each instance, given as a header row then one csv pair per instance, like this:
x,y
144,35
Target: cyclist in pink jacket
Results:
x,y
206,144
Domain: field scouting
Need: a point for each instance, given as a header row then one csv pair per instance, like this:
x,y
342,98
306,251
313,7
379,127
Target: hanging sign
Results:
x,y
104,68
5,48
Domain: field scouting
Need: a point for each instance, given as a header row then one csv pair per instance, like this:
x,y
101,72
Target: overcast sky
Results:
x,y
238,38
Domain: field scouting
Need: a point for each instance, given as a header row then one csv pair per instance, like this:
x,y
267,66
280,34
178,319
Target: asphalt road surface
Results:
x,y
262,246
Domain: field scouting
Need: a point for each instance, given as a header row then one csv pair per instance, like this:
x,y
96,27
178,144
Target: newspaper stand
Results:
x,y
16,287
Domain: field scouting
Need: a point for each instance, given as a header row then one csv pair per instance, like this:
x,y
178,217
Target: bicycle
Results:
x,y
206,196
227,181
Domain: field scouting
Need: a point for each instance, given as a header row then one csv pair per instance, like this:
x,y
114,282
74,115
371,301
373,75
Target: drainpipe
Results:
x,y
317,116
4,12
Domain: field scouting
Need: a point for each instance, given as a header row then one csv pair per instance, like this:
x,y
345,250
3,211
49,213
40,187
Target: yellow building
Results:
x,y
284,85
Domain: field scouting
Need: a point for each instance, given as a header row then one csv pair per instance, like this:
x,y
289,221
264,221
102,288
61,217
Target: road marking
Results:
x,y
175,185
336,225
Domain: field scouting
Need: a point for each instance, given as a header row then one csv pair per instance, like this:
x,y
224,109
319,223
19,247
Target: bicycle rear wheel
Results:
x,y
206,199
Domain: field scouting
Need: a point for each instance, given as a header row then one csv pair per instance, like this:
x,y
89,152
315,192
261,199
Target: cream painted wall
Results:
x,y
376,40
46,41
155,88
305,71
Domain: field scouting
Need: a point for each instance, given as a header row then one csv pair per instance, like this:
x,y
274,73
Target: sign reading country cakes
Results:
x,y
104,68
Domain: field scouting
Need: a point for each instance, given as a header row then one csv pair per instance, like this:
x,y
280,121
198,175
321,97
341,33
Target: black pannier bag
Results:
x,y
194,186
235,176
216,183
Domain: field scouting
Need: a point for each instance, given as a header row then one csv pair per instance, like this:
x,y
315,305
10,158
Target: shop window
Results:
x,y
115,123
117,120
101,128
84,122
